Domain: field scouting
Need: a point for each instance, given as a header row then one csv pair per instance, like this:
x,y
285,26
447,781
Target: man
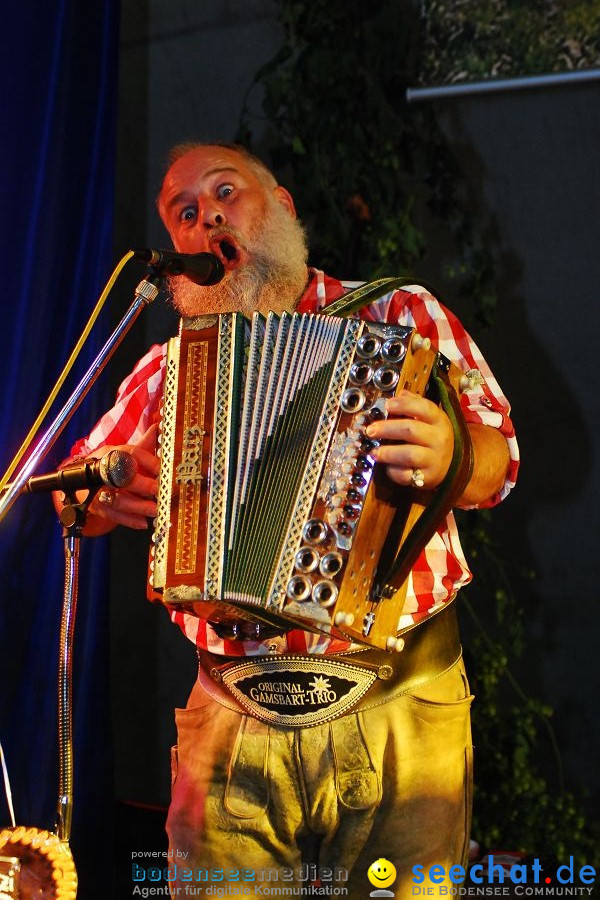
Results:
x,y
389,778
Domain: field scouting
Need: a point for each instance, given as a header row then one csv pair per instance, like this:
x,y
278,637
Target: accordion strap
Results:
x,y
365,294
443,498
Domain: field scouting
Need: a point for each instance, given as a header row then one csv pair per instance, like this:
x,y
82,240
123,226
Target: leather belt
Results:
x,y
295,690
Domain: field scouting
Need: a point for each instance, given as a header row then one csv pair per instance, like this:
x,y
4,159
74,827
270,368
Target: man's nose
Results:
x,y
211,214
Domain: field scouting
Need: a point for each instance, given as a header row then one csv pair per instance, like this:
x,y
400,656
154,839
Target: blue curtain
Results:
x,y
57,160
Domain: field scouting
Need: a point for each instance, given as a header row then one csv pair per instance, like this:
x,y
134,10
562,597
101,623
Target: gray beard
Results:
x,y
273,279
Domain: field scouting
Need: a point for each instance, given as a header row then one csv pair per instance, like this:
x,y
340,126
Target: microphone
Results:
x,y
116,469
201,268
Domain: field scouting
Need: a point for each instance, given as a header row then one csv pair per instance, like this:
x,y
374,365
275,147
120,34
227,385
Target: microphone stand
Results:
x,y
72,517
146,291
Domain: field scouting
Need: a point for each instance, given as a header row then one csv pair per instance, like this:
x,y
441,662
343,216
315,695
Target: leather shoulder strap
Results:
x,y
367,293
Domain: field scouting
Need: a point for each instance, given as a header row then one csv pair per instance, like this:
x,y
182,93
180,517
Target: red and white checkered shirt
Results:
x,y
441,568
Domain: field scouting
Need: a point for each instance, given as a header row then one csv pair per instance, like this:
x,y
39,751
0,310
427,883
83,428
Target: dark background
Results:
x,y
528,161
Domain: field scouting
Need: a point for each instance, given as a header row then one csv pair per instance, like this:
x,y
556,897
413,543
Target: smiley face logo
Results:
x,y
381,873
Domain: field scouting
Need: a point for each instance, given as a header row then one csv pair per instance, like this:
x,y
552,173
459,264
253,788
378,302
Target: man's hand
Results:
x,y
131,506
417,435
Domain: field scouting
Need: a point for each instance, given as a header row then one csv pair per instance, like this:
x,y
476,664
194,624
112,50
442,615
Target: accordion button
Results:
x,y
386,378
325,593
361,373
352,400
367,445
333,516
393,349
368,346
306,559
394,643
342,618
299,588
315,531
331,564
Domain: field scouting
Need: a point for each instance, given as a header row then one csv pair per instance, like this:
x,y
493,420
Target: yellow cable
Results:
x,y
68,366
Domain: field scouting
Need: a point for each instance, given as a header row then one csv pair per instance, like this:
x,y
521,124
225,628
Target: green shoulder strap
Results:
x,y
365,294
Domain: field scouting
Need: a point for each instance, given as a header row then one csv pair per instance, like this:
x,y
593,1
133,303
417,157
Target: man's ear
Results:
x,y
284,197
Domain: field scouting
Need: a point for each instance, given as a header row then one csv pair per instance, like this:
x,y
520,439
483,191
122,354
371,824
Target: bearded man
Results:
x,y
390,778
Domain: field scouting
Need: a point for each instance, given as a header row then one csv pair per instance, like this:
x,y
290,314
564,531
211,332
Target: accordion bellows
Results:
x,y
270,506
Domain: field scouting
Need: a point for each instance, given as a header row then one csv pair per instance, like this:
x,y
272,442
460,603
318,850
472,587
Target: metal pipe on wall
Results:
x,y
529,82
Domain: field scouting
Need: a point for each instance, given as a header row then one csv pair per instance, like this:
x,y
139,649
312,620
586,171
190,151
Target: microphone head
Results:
x,y
201,268
118,468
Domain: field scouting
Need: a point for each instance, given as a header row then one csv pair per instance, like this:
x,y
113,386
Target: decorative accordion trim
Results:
x,y
216,513
167,450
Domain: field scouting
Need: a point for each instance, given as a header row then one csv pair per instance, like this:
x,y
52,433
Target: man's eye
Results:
x,y
187,214
224,190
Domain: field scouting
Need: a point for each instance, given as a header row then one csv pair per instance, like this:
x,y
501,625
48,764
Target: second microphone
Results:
x,y
116,469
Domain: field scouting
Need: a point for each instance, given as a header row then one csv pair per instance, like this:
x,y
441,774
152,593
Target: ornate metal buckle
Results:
x,y
296,691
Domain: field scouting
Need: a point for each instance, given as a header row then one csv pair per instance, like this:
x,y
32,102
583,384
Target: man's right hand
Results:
x,y
131,506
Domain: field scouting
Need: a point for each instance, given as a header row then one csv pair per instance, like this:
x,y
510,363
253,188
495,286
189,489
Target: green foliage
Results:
x,y
362,163
365,167
470,40
341,59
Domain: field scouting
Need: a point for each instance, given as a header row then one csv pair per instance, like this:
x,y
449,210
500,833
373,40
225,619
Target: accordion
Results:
x,y
270,507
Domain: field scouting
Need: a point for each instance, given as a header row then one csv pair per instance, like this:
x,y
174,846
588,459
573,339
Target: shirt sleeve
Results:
x,y
483,403
136,406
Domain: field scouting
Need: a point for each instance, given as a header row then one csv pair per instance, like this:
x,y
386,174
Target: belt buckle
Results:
x,y
294,691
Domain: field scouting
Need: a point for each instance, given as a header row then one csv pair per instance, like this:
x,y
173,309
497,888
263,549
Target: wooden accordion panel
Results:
x,y
270,506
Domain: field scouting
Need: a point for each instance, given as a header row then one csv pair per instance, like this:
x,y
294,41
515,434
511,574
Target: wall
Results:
x,y
528,163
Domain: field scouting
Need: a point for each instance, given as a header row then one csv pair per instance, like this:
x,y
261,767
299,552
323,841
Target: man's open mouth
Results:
x,y
228,251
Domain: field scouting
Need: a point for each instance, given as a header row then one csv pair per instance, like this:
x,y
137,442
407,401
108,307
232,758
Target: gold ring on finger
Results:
x,y
417,479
